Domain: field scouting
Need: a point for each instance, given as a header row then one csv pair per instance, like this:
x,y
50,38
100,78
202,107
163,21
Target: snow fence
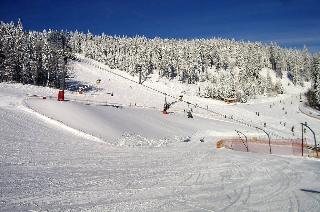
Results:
x,y
276,146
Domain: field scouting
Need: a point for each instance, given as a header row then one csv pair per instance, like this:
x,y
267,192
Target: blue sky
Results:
x,y
291,23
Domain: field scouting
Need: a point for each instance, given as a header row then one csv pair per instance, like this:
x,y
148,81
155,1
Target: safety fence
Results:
x,y
275,146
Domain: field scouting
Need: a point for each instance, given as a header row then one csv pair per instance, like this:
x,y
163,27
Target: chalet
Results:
x,y
230,100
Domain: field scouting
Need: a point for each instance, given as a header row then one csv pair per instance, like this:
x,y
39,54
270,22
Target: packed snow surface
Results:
x,y
95,152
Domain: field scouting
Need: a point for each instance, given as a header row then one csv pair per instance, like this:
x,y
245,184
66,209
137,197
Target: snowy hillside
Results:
x,y
218,68
110,148
288,86
212,68
126,91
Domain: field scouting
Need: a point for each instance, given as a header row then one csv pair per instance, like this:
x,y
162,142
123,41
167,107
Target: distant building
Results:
x,y
230,100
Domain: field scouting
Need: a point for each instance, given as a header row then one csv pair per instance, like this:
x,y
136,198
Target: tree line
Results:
x,y
314,93
37,58
225,68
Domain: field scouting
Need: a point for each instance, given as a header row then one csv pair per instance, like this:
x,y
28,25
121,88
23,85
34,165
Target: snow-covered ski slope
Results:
x,y
280,113
132,126
87,155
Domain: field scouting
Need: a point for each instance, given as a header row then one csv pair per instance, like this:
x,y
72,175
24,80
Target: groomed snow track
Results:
x,y
59,124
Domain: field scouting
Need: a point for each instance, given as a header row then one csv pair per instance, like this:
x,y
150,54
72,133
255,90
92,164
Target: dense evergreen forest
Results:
x,y
37,58
228,68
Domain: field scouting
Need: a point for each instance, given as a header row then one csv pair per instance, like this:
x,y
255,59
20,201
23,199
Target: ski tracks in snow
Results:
x,y
252,184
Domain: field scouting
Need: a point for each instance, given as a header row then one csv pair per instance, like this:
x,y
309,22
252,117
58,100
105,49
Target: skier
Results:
x,y
189,114
292,130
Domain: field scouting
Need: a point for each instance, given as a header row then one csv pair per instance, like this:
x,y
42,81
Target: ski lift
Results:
x,y
167,105
165,108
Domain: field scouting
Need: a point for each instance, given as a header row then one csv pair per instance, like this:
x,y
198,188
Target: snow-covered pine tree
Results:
x,y
315,89
269,84
190,61
278,88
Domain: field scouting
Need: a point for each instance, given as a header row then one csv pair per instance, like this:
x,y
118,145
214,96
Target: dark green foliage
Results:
x,y
314,93
311,97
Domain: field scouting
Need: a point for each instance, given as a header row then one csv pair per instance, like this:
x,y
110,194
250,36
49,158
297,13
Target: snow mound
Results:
x,y
134,140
